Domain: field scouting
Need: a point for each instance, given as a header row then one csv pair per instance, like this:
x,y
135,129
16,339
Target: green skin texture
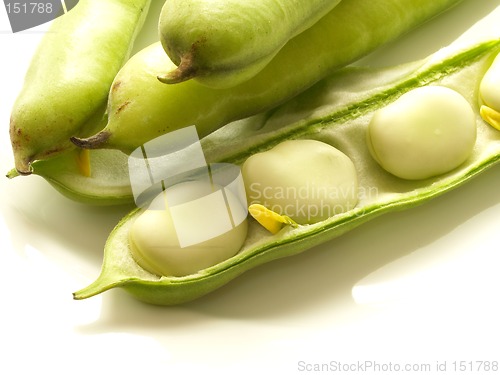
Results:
x,y
223,43
69,77
343,125
141,108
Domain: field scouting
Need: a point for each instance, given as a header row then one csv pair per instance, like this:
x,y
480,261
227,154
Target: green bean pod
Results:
x,y
142,108
223,43
69,76
336,111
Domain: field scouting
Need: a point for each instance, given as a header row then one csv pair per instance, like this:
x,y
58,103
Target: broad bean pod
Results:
x,y
337,111
69,77
225,42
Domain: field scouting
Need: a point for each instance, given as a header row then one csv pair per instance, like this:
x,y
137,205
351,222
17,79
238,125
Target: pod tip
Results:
x,y
93,142
183,72
175,76
23,167
12,173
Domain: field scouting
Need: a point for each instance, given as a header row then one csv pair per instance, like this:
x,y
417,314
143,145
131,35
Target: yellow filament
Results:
x,y
270,220
83,162
491,116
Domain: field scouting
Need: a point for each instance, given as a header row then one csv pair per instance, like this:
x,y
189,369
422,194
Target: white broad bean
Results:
x,y
306,180
426,132
490,85
156,235
489,91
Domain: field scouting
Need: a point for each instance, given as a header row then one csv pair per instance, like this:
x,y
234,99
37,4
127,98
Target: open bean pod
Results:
x,y
336,111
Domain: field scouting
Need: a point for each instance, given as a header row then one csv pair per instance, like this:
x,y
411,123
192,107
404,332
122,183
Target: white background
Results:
x,y
416,287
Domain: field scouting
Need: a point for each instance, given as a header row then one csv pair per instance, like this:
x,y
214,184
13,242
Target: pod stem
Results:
x,y
185,71
93,142
12,174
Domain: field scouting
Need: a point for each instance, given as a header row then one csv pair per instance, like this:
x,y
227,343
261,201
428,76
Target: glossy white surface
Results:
x,y
419,287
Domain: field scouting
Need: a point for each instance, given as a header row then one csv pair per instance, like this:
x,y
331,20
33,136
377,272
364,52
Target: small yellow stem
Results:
x,y
491,116
270,220
83,162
